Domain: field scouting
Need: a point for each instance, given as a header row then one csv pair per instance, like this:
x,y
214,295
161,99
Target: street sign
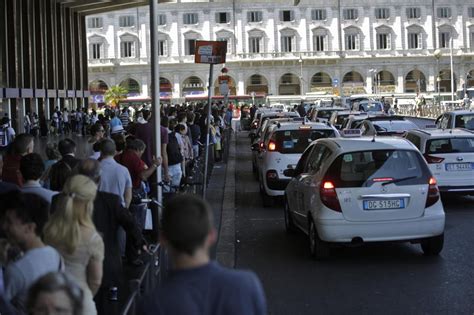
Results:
x,y
211,52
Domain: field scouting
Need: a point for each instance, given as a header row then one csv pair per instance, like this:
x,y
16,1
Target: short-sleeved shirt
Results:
x,y
134,164
37,189
210,289
115,178
20,275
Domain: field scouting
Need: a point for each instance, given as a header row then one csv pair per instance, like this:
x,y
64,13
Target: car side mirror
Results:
x,y
289,172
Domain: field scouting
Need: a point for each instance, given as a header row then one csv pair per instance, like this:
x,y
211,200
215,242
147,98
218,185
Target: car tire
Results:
x,y
433,246
319,249
289,224
266,199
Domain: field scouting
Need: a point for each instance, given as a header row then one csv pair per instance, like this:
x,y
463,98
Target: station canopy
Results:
x,y
88,7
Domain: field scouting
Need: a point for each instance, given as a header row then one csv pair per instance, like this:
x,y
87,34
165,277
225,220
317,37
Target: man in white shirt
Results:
x,y
23,222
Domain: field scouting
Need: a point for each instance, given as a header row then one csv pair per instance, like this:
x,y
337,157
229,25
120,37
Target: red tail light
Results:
x,y
329,196
272,174
433,159
433,193
382,179
271,146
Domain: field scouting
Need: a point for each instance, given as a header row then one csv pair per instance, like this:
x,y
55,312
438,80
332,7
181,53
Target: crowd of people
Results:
x,y
69,222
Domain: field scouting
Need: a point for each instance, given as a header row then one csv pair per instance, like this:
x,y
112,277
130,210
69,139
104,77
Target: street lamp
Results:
x,y
438,54
301,74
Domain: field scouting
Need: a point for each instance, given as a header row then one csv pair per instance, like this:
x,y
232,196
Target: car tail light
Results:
x,y
261,145
329,196
271,146
433,159
272,174
382,179
433,193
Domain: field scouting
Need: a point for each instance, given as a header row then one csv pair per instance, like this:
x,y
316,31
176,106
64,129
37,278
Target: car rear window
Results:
x,y
450,145
364,168
324,114
393,125
465,121
296,141
371,107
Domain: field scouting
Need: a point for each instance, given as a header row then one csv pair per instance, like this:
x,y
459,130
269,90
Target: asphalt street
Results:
x,y
372,279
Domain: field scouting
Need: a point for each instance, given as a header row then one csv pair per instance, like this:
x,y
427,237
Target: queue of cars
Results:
x,y
350,177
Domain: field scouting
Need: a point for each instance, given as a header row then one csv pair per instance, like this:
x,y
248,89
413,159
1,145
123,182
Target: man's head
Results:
x,y
182,117
188,224
97,130
137,145
24,216
107,148
23,144
90,168
31,166
66,146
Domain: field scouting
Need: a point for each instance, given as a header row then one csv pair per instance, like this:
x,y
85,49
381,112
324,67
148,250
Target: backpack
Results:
x,y
173,150
59,173
4,137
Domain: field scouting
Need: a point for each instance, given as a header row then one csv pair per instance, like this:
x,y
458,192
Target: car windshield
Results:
x,y
371,107
324,114
340,119
465,121
296,141
393,125
364,168
450,145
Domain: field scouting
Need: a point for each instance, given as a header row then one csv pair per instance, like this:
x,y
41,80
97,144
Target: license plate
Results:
x,y
459,167
384,204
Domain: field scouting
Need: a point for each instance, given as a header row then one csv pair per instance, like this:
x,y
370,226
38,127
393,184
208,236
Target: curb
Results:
x,y
225,253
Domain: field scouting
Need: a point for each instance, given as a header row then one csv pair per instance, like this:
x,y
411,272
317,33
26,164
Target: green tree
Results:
x,y
115,94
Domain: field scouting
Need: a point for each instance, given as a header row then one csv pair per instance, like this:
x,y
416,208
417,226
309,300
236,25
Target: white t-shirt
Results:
x,y
21,274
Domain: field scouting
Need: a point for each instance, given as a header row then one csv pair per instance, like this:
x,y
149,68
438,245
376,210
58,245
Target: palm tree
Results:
x,y
115,94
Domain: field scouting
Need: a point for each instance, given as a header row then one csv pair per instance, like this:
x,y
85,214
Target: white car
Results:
x,y
283,145
359,190
456,119
450,156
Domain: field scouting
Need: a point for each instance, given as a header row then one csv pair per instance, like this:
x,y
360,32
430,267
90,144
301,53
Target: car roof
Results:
x,y
350,112
442,133
297,124
341,145
279,114
386,118
461,112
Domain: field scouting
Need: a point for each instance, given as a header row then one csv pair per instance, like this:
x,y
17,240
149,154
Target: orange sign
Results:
x,y
212,52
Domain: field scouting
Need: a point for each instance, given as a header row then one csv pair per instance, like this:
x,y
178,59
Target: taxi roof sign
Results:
x,y
351,133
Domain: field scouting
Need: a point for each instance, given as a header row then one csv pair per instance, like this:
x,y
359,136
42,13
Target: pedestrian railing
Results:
x,y
430,110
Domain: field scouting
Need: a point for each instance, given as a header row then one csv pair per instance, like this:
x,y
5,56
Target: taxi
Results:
x,y
282,146
450,156
362,189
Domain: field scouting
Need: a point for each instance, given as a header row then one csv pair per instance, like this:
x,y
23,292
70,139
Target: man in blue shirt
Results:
x,y
197,285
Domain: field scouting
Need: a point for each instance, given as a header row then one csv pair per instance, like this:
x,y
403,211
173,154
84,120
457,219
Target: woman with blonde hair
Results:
x,y
71,231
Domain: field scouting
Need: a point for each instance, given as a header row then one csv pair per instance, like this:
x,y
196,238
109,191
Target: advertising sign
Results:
x,y
211,52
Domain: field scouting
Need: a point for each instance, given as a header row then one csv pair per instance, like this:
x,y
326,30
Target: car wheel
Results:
x,y
289,224
266,199
433,246
318,248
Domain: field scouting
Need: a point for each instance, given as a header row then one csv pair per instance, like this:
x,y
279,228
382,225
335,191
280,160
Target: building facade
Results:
x,y
275,48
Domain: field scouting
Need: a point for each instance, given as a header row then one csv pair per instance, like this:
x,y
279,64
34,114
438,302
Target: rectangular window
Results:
x,y
190,18
95,22
96,51
415,41
444,38
319,42
413,13
288,43
254,16
318,15
222,17
127,49
382,13
350,14
255,45
383,41
127,21
287,16
352,42
470,12
190,46
162,48
161,19
443,13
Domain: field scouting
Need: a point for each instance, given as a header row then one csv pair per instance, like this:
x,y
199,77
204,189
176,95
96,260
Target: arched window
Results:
x,y
128,46
415,82
320,39
384,38
415,37
352,38
288,40
256,41
97,47
132,86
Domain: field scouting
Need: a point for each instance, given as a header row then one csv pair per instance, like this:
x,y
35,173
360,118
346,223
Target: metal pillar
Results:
x,y
206,159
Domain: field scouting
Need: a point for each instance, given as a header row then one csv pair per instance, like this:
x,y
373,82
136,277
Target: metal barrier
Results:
x,y
430,110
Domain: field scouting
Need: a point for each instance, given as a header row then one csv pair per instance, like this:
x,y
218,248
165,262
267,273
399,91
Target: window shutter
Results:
x,y
281,15
249,17
217,17
101,51
133,49
292,15
326,42
389,41
227,17
165,48
357,42
420,40
91,51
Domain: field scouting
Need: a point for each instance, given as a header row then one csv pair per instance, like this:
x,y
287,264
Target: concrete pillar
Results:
x,y
176,86
273,80
400,83
240,84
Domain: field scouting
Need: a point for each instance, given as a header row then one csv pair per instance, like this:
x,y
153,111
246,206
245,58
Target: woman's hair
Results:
x,y
53,282
52,151
63,228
